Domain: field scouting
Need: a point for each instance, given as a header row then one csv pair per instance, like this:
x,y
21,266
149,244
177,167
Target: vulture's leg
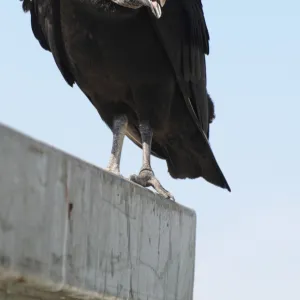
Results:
x,y
146,176
119,129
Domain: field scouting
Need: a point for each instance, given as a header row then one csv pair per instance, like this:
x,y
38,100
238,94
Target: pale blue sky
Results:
x,y
248,242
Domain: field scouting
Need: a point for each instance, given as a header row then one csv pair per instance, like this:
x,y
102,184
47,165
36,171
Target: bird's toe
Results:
x,y
146,178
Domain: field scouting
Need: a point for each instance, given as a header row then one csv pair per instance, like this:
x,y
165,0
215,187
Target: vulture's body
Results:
x,y
150,71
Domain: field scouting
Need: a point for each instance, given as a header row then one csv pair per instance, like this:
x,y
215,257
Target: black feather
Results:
x,y
27,5
211,109
46,27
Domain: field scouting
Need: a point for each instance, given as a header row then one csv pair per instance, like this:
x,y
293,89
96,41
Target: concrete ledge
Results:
x,y
69,229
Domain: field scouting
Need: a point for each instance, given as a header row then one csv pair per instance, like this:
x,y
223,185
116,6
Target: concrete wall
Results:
x,y
66,224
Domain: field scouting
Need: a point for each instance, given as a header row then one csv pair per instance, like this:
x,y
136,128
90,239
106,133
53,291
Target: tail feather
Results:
x,y
193,158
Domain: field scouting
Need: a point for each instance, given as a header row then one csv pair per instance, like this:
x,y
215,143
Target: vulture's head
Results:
x,y
154,5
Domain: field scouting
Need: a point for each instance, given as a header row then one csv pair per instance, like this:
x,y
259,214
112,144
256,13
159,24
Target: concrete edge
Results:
x,y
48,147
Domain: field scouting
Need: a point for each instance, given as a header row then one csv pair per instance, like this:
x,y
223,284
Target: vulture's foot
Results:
x,y
146,178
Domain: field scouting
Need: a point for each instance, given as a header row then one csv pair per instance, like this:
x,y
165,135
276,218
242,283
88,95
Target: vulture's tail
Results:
x,y
188,155
192,157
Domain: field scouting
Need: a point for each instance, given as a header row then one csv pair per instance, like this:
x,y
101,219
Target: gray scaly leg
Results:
x,y
146,176
119,130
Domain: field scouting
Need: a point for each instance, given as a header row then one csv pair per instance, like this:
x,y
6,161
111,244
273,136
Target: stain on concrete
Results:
x,y
5,260
30,264
5,226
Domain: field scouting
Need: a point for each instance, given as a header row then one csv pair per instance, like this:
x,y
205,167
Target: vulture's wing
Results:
x,y
46,27
182,31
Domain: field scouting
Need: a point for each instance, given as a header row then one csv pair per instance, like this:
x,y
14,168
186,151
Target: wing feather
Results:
x,y
46,27
183,32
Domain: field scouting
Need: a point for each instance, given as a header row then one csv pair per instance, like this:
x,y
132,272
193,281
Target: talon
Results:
x,y
146,178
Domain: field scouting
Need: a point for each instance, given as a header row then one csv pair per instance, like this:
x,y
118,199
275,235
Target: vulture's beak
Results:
x,y
155,6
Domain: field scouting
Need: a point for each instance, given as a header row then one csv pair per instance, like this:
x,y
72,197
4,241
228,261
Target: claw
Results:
x,y
146,178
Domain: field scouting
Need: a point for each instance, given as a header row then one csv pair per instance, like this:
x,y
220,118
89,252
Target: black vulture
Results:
x,y
141,63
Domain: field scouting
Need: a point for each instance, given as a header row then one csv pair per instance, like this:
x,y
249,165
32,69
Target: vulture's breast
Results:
x,y
112,52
